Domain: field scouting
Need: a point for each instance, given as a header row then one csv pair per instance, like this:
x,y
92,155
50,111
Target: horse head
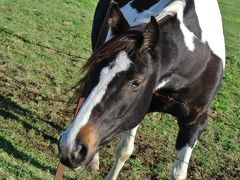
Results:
x,y
121,76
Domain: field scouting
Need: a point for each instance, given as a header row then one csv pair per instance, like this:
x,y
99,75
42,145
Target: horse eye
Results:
x,y
135,83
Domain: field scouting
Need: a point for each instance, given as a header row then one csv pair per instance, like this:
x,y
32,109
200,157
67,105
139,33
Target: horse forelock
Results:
x,y
129,42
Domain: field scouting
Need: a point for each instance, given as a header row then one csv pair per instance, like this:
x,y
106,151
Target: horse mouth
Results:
x,y
73,165
77,164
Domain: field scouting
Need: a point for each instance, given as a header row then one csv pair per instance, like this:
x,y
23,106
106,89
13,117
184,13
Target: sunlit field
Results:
x,y
37,76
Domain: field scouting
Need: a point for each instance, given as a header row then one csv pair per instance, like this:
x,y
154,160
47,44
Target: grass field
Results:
x,y
35,86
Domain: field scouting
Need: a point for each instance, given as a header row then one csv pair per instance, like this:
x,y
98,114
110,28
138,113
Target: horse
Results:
x,y
144,51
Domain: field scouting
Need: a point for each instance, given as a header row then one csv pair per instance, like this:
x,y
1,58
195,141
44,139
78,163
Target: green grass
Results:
x,y
35,85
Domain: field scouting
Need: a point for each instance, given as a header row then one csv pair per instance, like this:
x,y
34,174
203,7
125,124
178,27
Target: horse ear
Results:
x,y
151,34
117,21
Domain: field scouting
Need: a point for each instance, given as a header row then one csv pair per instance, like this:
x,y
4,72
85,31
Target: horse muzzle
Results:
x,y
76,157
78,151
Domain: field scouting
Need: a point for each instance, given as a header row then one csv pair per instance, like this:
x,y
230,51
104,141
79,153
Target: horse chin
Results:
x,y
79,168
87,162
83,165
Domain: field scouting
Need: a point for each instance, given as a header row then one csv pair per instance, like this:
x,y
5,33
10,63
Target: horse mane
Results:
x,y
128,42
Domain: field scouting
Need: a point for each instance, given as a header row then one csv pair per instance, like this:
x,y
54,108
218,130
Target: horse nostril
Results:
x,y
65,161
80,153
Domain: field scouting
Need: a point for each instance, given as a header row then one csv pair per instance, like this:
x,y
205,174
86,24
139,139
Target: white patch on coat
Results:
x,y
171,9
181,163
122,63
210,21
177,7
159,10
135,18
161,84
187,34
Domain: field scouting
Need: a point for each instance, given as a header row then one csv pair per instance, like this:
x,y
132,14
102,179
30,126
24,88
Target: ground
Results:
x,y
37,82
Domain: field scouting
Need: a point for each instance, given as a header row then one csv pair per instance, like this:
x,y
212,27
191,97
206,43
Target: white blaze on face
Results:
x,y
210,21
121,63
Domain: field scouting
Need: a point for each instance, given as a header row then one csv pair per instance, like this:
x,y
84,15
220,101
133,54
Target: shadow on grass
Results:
x,y
12,151
7,107
6,115
17,170
23,39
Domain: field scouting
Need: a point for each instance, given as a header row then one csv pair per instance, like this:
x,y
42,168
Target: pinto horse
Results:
x,y
142,48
